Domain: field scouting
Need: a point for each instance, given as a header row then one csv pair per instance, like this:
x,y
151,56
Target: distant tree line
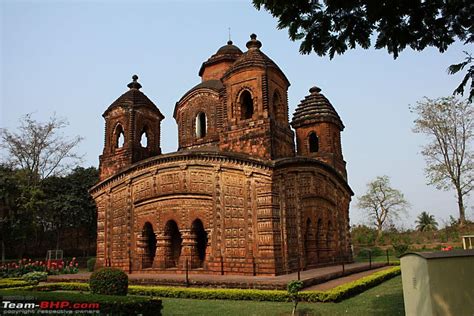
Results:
x,y
58,213
44,199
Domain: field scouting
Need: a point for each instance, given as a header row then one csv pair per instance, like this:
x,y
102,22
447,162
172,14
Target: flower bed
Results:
x,y
24,266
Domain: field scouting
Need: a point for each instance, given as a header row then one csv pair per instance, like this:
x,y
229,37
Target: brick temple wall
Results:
x,y
254,215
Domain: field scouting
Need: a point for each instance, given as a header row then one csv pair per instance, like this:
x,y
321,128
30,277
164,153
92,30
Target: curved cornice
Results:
x,y
214,157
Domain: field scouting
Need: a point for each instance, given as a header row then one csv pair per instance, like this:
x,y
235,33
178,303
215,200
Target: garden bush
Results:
x,y
35,277
13,283
109,281
90,264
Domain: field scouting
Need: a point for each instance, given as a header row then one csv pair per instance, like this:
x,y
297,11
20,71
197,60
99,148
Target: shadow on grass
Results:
x,y
392,302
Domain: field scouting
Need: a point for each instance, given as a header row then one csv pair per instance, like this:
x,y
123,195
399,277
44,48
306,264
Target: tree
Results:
x,y
332,27
382,202
426,222
68,203
449,125
293,288
39,148
455,68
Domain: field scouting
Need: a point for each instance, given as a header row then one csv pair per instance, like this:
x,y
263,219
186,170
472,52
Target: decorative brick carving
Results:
x,y
235,198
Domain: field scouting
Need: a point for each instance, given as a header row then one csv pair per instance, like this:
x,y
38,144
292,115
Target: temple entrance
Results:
x,y
173,245
200,236
149,245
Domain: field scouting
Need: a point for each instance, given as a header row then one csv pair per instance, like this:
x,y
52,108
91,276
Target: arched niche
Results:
x,y
246,105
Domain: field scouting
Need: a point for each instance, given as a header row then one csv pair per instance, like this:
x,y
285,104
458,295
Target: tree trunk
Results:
x,y
462,214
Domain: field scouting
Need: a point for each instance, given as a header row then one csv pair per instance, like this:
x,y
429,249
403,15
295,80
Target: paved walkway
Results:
x,y
309,278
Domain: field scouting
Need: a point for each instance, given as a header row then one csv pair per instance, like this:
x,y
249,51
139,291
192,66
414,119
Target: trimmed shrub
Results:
x,y
13,283
91,264
109,281
63,286
35,277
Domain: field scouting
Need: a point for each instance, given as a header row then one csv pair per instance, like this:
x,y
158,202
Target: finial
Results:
x,y
314,90
229,42
134,84
254,43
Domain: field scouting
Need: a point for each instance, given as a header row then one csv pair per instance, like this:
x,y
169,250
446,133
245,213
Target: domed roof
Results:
x,y
228,52
230,48
315,108
254,57
134,98
215,85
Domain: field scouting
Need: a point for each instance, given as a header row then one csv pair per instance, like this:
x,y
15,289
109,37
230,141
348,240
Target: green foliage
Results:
x,y
333,27
35,277
400,248
363,235
426,222
293,289
109,281
337,294
91,264
63,286
210,294
455,68
13,283
60,203
373,252
350,289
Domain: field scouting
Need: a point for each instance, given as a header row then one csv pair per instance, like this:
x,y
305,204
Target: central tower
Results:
x,y
241,105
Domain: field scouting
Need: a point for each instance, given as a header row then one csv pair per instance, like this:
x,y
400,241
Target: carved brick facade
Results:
x,y
235,198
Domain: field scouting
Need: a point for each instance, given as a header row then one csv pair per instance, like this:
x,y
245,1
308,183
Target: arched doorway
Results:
x,y
200,235
174,243
149,245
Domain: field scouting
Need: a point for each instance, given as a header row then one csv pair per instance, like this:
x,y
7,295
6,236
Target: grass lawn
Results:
x,y
384,299
392,259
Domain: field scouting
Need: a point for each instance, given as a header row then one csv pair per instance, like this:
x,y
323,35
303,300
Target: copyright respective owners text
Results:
x,y
30,305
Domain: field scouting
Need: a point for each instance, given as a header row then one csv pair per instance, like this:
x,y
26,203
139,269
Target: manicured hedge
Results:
x,y
334,295
13,283
211,294
347,290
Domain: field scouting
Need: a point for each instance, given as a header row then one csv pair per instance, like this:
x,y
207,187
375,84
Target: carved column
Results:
x,y
187,249
162,254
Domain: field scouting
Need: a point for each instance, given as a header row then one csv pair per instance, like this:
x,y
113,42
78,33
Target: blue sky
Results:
x,y
74,58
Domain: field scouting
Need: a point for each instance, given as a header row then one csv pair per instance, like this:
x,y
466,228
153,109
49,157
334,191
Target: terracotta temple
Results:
x,y
237,197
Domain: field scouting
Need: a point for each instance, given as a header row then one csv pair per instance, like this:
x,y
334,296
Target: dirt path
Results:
x,y
339,281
